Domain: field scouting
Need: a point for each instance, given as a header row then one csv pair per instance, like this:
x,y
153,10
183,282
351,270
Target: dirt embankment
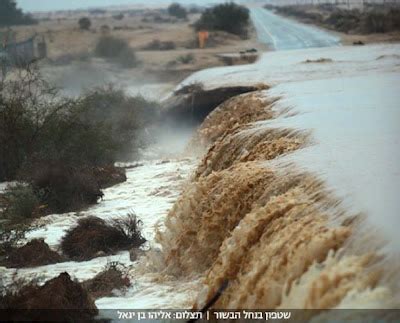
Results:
x,y
193,103
264,229
60,298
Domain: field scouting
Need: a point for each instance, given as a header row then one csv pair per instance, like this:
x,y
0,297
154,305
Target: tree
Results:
x,y
229,17
177,10
11,15
84,23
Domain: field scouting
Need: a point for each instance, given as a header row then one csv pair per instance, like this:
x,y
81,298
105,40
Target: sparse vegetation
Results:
x,y
114,276
65,148
84,23
186,59
125,116
160,45
116,50
229,17
374,19
178,11
21,202
120,16
93,237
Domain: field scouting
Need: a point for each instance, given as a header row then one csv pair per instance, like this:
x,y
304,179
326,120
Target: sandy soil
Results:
x,y
391,37
67,43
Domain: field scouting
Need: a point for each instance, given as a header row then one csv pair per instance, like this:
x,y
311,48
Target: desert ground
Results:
x,y
70,61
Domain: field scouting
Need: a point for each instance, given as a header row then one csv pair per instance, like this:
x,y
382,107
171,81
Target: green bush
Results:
x,y
10,14
116,50
126,117
119,16
176,10
229,17
84,23
21,202
65,148
37,126
186,59
373,19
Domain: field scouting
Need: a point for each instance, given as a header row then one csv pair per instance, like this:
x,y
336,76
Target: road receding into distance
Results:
x,y
280,33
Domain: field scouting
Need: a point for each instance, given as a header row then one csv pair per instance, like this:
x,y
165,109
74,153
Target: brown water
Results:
x,y
274,233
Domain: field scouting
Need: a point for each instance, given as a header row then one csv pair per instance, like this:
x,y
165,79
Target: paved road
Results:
x,y
282,33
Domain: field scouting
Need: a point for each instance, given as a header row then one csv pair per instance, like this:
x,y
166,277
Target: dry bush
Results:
x,y
102,285
109,175
93,236
65,188
34,253
156,44
59,299
116,50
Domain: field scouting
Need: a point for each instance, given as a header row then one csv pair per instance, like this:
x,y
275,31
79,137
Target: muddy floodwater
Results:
x,y
151,188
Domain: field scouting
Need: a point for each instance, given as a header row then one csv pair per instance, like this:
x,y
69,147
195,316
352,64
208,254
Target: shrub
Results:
x,y
34,253
297,11
111,278
176,10
84,23
126,116
36,126
374,22
93,236
160,45
116,50
65,148
10,235
10,14
343,20
65,188
229,17
126,58
21,202
105,29
119,16
67,299
109,175
186,59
